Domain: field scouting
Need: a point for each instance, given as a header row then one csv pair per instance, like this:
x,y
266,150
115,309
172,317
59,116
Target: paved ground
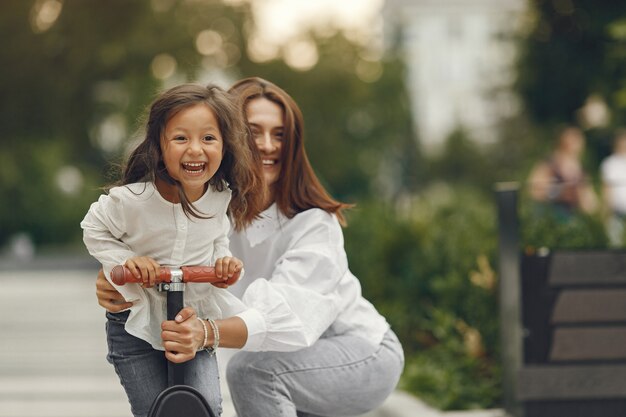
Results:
x,y
52,353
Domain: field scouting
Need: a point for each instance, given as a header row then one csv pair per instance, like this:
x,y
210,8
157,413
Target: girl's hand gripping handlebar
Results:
x,y
121,275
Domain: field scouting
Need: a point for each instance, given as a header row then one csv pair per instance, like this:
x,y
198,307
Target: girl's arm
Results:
x,y
226,265
221,243
103,227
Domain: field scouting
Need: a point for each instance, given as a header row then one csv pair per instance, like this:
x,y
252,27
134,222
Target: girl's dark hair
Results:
x,y
297,188
240,169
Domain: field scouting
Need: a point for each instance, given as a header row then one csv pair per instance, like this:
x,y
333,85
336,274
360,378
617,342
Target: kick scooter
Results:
x,y
178,399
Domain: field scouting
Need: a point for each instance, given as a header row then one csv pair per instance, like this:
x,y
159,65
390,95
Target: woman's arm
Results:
x,y
540,182
290,309
183,337
307,288
108,297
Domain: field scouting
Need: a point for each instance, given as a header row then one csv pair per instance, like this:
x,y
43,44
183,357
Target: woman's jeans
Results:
x,y
143,370
337,376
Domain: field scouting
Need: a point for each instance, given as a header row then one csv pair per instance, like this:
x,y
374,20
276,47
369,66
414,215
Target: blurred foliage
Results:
x,y
546,227
573,51
574,48
436,286
354,130
76,89
59,86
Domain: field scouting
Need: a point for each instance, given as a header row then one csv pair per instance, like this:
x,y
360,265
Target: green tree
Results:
x,y
353,127
77,84
574,48
64,77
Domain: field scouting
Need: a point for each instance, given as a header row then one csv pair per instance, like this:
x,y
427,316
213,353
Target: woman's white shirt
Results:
x,y
298,285
135,220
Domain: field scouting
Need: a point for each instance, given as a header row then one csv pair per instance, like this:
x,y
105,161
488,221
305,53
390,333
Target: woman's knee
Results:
x,y
252,379
243,368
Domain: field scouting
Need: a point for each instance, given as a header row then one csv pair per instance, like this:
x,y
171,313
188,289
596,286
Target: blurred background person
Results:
x,y
613,174
559,183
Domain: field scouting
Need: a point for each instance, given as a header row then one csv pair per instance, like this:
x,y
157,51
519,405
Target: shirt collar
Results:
x,y
266,225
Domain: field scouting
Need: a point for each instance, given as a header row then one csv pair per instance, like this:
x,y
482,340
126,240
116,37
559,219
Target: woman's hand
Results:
x,y
108,297
183,337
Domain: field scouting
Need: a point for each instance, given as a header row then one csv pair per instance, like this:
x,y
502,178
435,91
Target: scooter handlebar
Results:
x,y
121,275
199,274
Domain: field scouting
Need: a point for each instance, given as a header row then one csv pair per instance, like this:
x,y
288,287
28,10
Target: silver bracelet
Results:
x,y
206,333
216,337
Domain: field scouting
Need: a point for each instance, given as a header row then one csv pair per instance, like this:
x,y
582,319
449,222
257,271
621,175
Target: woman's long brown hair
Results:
x,y
297,188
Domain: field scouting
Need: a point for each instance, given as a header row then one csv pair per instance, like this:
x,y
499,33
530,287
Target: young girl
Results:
x,y
171,208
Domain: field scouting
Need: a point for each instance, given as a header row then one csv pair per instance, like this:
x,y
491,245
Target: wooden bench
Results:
x,y
573,314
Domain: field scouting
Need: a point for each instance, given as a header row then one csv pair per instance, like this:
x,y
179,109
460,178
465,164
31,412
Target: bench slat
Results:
x,y
587,268
545,382
589,306
589,343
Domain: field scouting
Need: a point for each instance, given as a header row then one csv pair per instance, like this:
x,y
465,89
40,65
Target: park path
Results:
x,y
53,348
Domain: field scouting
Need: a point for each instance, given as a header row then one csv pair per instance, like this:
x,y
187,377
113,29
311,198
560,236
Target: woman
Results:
x,y
560,182
310,343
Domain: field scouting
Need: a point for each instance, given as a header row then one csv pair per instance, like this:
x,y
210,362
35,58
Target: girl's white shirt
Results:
x,y
135,220
298,286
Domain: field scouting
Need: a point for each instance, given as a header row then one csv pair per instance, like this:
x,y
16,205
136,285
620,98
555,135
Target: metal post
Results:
x,y
509,292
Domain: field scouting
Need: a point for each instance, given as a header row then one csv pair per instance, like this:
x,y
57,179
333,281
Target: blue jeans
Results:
x,y
143,370
339,375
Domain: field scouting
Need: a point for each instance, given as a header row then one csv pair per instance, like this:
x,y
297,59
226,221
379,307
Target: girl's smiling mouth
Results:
x,y
193,167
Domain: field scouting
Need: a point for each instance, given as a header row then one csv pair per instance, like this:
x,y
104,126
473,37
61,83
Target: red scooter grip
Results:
x,y
199,274
121,275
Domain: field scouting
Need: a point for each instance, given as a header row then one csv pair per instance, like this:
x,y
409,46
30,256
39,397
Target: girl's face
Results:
x,y
192,148
266,123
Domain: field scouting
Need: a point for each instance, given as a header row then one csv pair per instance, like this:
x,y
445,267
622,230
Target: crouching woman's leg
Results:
x,y
338,375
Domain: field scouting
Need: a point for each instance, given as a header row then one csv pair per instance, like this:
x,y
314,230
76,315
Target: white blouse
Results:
x,y
613,170
297,285
135,220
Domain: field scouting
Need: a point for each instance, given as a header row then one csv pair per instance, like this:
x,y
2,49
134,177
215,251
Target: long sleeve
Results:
x,y
221,243
103,228
304,292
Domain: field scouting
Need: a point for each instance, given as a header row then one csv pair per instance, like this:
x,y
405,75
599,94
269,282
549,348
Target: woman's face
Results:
x,y
572,142
266,123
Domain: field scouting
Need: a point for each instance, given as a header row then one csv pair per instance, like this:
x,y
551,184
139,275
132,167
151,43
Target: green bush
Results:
x,y
427,265
546,226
